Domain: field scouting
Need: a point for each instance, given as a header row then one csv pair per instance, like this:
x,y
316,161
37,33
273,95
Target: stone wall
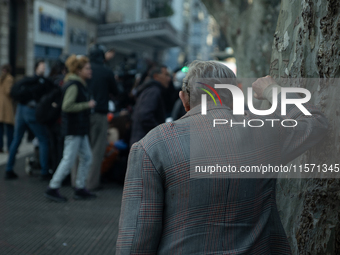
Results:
x,y
30,39
304,45
88,8
4,32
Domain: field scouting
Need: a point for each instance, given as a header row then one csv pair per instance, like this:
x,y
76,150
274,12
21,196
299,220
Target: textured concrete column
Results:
x,y
4,32
30,38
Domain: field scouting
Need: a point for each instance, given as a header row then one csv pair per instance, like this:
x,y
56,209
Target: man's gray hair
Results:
x,y
211,73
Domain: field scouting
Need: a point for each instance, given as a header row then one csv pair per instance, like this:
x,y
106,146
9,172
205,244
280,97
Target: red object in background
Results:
x,y
111,156
110,116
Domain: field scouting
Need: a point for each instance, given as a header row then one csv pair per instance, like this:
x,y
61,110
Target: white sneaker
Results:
x,y
28,168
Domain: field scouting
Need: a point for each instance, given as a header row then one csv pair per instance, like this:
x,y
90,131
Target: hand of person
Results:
x,y
92,103
260,85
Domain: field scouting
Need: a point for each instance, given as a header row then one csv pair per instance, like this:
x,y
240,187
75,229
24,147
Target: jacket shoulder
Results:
x,y
153,89
162,133
102,67
70,83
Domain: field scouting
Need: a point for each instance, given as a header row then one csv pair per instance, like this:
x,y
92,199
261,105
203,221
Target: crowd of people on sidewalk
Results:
x,y
68,114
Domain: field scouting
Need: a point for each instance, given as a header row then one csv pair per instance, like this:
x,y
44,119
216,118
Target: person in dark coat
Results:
x,y
178,110
101,86
149,110
28,93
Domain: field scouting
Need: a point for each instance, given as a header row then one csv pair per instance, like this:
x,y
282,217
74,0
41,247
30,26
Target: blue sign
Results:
x,y
51,25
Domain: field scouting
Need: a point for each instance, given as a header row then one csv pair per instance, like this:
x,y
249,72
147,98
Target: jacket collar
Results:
x,y
74,77
148,84
210,107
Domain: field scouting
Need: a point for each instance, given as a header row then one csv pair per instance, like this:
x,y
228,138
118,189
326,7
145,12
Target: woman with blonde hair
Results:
x,y
75,126
6,106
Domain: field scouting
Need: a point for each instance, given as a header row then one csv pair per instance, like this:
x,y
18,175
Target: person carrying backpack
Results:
x,y
48,112
75,127
28,93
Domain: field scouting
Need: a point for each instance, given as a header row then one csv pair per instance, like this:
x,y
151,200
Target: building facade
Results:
x,y
174,32
199,30
31,30
139,31
16,35
4,32
49,30
203,32
83,18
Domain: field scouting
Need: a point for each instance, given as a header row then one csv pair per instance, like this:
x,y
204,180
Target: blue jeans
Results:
x,y
9,134
25,117
74,145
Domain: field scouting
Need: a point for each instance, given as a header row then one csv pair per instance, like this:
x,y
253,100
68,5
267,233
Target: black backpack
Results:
x,y
30,88
48,110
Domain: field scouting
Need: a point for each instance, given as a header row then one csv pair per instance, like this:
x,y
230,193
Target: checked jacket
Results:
x,y
166,212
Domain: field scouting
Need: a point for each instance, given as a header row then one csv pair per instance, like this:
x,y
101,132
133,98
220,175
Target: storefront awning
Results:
x,y
152,34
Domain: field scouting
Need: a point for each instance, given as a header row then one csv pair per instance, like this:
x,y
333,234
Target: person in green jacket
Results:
x,y
75,125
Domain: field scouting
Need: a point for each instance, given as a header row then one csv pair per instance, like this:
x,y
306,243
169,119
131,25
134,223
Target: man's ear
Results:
x,y
185,100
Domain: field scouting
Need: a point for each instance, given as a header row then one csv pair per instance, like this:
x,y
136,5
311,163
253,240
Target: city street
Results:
x,y
176,102
30,224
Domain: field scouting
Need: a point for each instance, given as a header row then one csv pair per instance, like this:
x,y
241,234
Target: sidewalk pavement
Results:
x,y
25,149
30,224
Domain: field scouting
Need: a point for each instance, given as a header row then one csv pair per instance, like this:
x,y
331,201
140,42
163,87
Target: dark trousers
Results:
x,y
98,141
56,145
9,134
24,118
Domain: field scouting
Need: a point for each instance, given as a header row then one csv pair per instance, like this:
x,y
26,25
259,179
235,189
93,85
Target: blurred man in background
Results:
x,y
178,110
101,86
109,54
149,110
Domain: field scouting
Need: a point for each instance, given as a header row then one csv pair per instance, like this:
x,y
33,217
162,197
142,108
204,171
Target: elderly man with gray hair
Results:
x,y
166,209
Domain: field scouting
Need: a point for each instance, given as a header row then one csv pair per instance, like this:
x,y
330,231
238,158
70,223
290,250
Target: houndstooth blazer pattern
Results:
x,y
164,211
